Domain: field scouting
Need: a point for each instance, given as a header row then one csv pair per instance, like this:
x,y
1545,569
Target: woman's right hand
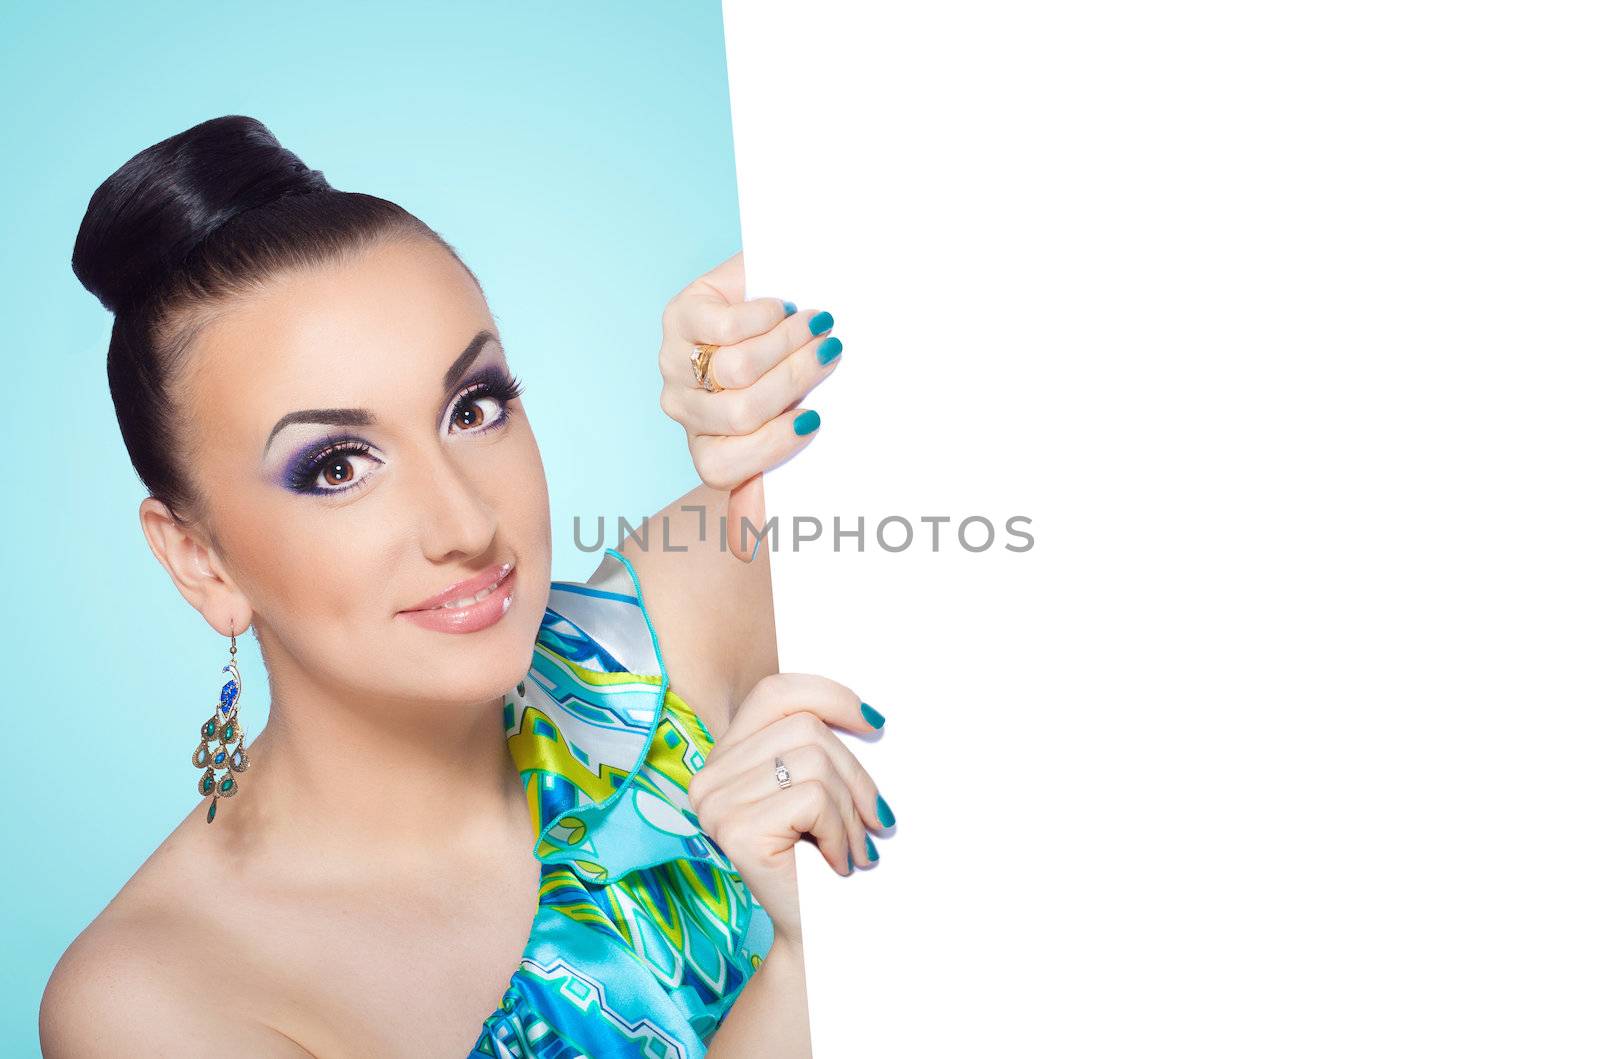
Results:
x,y
769,357
831,797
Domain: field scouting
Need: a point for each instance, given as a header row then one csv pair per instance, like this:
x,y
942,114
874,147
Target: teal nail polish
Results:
x,y
872,849
807,421
873,717
850,860
789,308
885,814
831,347
821,322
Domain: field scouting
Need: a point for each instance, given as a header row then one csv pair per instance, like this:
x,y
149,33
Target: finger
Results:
x,y
704,315
805,808
759,377
727,279
747,504
737,364
777,695
809,762
725,462
732,367
806,762
803,737
743,409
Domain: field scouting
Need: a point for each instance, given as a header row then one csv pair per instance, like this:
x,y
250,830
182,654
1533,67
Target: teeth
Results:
x,y
467,601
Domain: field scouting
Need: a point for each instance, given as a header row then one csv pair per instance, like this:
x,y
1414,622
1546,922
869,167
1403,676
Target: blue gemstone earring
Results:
x,y
223,727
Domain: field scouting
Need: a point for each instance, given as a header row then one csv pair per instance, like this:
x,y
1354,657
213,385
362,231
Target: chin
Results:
x,y
481,664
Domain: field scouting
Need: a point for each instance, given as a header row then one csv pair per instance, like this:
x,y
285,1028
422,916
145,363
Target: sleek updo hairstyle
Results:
x,y
184,225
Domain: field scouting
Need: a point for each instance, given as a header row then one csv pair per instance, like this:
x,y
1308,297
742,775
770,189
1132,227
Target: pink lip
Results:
x,y
432,614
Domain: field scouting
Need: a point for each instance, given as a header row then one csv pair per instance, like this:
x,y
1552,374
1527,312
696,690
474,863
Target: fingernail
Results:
x,y
873,717
885,814
807,421
849,860
789,309
830,348
821,322
756,549
872,849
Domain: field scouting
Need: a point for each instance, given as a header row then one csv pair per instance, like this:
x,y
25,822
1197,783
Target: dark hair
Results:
x,y
186,223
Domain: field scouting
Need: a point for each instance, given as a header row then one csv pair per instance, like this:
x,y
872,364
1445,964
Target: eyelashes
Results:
x,y
305,472
309,471
494,384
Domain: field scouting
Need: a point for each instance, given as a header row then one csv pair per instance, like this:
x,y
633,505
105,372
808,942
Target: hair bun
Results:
x,y
148,216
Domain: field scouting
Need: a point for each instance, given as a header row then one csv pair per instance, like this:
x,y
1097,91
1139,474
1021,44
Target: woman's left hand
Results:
x,y
769,357
830,797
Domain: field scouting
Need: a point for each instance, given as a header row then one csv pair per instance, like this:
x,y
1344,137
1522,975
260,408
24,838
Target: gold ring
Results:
x,y
700,361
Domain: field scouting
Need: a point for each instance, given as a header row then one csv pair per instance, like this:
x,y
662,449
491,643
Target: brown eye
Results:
x,y
483,406
471,413
338,472
332,469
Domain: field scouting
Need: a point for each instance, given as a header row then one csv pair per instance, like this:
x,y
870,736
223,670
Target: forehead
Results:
x,y
381,323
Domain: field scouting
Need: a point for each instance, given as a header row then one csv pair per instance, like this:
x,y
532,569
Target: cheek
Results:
x,y
303,565
522,494
330,570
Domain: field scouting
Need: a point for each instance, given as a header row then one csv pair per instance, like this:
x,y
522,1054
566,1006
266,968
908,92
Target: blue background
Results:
x,y
580,159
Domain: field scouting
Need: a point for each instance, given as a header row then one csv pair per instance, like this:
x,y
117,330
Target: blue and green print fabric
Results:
x,y
645,934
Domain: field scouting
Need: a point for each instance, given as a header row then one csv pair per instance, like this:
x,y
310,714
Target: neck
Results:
x,y
364,784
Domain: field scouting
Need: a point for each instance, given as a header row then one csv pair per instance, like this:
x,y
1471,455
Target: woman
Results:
x,y
312,388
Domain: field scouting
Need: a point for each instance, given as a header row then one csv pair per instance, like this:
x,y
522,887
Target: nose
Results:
x,y
456,519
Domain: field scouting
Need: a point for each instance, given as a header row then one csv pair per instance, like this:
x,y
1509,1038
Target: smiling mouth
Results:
x,y
465,611
467,599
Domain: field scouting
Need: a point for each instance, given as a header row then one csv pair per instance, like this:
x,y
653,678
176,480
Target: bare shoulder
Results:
x,y
713,614
121,989
145,979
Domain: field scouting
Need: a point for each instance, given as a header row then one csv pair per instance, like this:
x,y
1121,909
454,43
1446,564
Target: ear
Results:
x,y
195,569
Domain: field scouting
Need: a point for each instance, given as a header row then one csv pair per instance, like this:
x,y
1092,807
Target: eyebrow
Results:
x,y
360,417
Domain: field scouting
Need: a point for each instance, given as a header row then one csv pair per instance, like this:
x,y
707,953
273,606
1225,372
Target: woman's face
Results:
x,y
354,434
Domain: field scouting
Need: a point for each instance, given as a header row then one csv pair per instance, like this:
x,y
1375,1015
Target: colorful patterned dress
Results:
x,y
645,933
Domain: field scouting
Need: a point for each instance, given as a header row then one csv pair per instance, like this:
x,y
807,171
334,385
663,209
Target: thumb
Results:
x,y
747,501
